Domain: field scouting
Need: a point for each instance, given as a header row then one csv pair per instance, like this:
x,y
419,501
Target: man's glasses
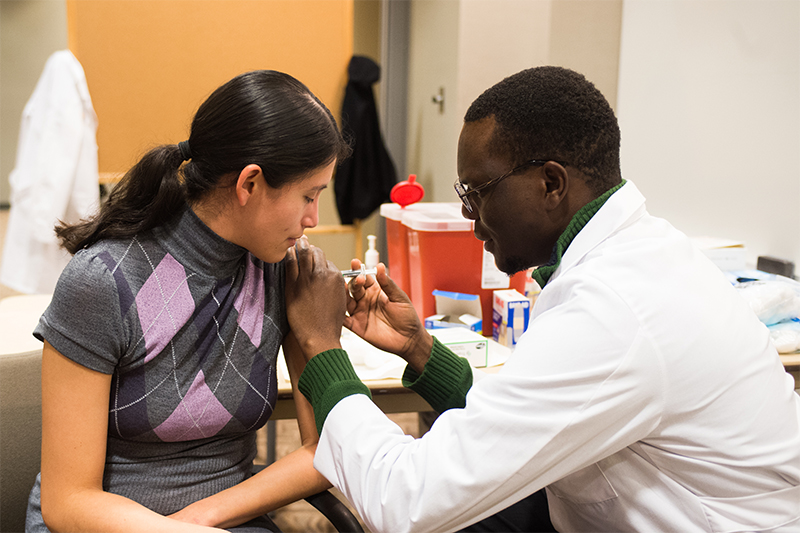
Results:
x,y
463,191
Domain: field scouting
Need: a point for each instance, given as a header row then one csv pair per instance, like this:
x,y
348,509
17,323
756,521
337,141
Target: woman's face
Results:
x,y
281,215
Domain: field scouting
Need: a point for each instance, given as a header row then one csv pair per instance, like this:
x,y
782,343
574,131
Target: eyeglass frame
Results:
x,y
463,192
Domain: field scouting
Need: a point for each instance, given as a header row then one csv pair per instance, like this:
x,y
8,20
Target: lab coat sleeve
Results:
x,y
564,400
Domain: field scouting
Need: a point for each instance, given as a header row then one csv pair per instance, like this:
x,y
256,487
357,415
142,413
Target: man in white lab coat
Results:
x,y
645,395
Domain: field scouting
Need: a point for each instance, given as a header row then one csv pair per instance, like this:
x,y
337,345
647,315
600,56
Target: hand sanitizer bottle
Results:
x,y
371,258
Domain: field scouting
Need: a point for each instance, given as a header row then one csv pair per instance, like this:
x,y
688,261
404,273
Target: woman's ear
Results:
x,y
250,178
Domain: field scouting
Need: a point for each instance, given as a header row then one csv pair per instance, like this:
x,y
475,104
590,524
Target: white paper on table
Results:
x,y
498,354
370,363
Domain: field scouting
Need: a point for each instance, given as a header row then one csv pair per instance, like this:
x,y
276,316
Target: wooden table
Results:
x,y
791,361
388,394
392,397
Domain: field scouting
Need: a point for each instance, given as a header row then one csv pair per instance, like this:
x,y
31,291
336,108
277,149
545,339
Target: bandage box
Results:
x,y
510,315
465,343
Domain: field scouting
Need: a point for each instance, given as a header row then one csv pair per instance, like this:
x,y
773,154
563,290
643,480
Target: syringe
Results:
x,y
358,272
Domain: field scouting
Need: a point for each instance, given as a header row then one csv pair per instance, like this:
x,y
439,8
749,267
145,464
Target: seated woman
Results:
x,y
160,343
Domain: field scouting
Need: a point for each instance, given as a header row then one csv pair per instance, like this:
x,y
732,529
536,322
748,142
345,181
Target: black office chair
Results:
x,y
335,511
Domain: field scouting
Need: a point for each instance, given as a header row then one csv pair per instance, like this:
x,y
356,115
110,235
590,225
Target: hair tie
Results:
x,y
186,153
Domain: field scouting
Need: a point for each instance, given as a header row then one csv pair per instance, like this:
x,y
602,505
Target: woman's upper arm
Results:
x,y
74,430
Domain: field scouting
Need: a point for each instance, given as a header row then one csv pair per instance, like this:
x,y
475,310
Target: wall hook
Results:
x,y
439,99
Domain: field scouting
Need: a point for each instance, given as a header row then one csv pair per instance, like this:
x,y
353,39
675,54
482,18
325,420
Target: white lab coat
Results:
x,y
645,395
55,176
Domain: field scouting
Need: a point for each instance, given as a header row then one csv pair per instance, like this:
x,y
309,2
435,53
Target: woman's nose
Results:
x,y
311,217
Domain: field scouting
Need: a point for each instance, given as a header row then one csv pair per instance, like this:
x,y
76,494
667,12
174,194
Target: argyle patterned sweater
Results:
x,y
189,326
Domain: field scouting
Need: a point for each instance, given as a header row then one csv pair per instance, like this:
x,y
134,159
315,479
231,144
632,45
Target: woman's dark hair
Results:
x,y
554,113
263,117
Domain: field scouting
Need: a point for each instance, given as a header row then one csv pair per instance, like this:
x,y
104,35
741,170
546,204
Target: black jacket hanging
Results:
x,y
364,180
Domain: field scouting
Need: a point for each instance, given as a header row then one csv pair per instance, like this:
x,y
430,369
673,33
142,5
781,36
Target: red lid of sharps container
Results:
x,y
407,192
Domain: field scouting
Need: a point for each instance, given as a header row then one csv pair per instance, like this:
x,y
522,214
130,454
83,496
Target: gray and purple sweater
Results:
x,y
189,326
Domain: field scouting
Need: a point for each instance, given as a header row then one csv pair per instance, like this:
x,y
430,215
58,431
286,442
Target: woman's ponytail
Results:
x,y
148,195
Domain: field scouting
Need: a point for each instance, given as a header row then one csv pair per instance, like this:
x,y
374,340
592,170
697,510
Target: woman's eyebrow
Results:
x,y
318,188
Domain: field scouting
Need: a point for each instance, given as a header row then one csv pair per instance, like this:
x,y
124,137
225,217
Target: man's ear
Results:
x,y
556,182
250,178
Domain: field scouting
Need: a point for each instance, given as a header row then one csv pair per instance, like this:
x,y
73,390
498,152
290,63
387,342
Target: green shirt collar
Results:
x,y
584,214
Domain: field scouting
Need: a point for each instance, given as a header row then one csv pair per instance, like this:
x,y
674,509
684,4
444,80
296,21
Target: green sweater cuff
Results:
x,y
444,381
328,378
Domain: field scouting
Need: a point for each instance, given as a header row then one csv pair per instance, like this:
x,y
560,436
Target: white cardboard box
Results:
x,y
465,343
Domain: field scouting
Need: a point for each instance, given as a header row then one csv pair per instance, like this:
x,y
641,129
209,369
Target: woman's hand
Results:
x,y
289,479
382,314
316,299
196,513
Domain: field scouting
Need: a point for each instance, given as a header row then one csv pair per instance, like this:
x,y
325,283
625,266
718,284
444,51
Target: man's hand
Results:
x,y
316,298
382,314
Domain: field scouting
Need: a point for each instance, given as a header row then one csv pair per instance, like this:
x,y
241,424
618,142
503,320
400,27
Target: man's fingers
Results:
x,y
291,264
318,261
388,285
357,287
332,268
303,252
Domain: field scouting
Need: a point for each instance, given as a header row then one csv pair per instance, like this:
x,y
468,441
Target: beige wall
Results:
x,y
465,46
150,63
709,107
144,101
498,38
585,36
453,44
433,55
341,248
30,30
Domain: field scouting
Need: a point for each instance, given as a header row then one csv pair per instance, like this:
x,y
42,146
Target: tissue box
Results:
x,y
455,309
511,312
465,343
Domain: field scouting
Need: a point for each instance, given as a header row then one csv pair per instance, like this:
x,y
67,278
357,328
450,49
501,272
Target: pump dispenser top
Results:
x,y
371,258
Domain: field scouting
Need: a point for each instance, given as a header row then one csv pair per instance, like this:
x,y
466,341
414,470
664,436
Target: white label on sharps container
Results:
x,y
491,276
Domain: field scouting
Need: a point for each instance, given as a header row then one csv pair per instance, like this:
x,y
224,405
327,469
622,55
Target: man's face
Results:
x,y
510,217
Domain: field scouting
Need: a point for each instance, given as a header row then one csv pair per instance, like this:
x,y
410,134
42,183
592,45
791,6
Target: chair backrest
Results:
x,y
20,406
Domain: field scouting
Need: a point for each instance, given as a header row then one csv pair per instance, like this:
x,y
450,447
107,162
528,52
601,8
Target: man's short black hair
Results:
x,y
557,114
